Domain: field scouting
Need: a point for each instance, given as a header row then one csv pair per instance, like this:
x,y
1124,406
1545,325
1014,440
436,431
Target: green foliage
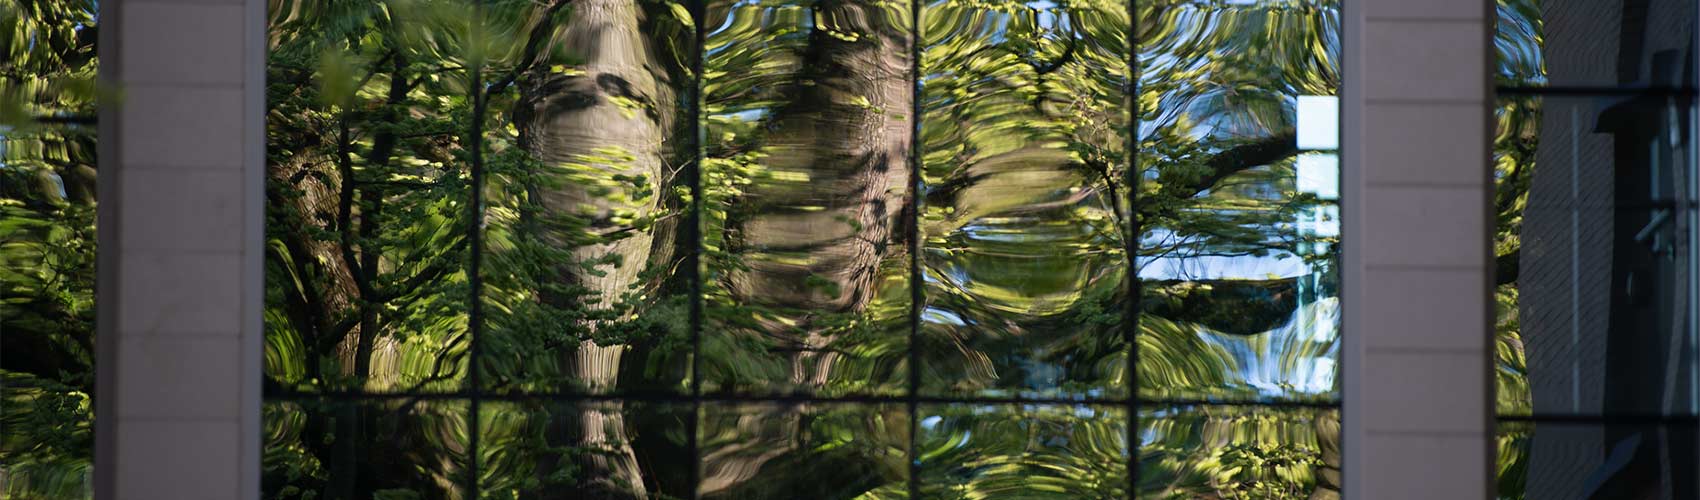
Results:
x,y
403,133
47,247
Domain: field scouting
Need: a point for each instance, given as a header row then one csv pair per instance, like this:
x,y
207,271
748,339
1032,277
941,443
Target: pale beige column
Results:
x,y
181,169
1416,188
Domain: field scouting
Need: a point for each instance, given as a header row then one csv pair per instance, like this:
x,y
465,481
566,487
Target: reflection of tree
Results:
x,y
814,248
1218,162
808,108
47,247
596,127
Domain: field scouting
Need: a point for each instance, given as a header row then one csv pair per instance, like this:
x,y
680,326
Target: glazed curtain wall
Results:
x,y
802,249
1596,205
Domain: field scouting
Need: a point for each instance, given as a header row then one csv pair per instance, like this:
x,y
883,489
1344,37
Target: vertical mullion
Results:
x,y
475,233
693,233
1130,243
916,296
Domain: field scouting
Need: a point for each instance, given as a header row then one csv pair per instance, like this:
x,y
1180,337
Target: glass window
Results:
x,y
803,249
48,97
1594,165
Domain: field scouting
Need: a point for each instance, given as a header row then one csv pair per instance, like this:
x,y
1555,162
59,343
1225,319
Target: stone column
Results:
x,y
181,200
1416,189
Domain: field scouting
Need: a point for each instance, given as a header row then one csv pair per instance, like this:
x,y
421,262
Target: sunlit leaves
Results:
x,y
48,98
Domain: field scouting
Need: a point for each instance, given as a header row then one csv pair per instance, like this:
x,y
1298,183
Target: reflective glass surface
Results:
x,y
1595,44
368,184
1238,200
772,451
564,450
1025,217
379,448
1022,451
837,249
1596,209
48,185
1239,452
587,155
805,184
1588,460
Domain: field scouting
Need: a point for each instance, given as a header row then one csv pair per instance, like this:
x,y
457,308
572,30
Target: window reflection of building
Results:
x,y
1604,276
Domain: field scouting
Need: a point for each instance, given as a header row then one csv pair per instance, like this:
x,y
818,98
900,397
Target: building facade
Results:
x,y
1438,249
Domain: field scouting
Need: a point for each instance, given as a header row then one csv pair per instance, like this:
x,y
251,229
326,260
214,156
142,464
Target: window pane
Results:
x,y
1023,451
1239,211
1595,254
540,449
367,189
1025,220
587,154
1587,43
1605,461
384,448
761,451
47,249
1239,452
805,185
47,310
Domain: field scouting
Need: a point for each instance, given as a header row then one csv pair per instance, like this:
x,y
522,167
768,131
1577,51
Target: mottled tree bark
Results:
x,y
600,131
849,131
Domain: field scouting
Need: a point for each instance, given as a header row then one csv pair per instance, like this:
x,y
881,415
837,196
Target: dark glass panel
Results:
x,y
381,448
367,187
1239,213
1596,224
1596,461
47,248
588,450
827,451
805,184
1590,43
1024,140
587,155
1239,452
1023,451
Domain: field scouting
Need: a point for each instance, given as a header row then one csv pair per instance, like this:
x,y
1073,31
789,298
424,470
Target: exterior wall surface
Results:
x,y
179,272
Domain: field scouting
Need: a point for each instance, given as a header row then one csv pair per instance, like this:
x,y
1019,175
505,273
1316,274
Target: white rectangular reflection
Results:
x,y
1319,174
1318,122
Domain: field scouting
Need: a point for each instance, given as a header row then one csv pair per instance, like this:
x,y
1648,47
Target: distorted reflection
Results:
x,y
1239,452
556,141
539,450
380,448
805,182
1023,126
1598,327
367,184
1238,201
1022,451
586,154
770,451
48,185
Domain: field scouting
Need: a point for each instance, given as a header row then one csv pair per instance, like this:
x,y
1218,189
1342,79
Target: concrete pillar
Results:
x,y
181,169
1417,252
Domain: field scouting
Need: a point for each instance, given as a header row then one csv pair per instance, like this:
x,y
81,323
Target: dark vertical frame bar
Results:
x,y
917,299
475,229
1488,253
107,219
1130,244
693,233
